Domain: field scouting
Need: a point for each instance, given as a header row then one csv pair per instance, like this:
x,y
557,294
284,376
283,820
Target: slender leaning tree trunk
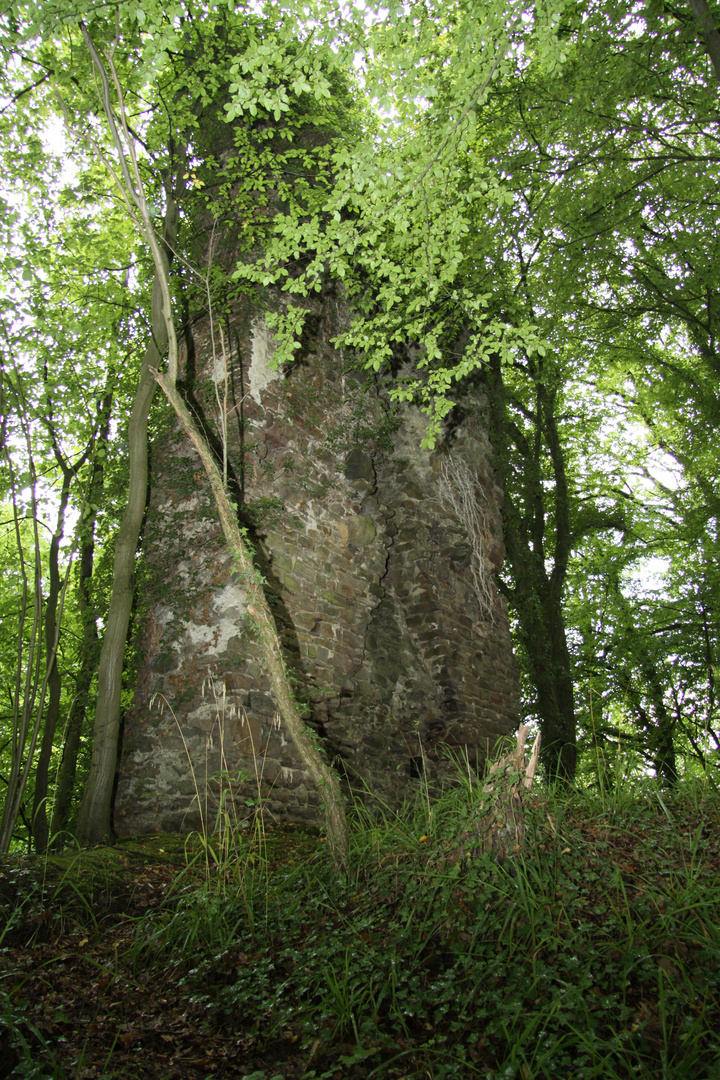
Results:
x,y
73,729
39,818
89,647
94,820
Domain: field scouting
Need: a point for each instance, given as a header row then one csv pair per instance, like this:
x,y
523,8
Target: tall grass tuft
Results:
x,y
225,882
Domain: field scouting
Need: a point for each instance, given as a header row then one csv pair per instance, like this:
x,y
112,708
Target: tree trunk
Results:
x,y
94,820
76,717
40,829
546,646
536,595
710,33
89,644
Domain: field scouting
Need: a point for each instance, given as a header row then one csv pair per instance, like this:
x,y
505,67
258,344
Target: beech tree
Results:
x,y
619,186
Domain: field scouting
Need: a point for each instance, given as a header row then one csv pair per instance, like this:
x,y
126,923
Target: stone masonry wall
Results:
x,y
370,577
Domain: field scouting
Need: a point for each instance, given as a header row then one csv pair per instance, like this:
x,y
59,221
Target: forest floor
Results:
x,y
593,954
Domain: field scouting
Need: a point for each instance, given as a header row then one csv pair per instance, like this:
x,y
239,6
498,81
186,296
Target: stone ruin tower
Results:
x,y
378,558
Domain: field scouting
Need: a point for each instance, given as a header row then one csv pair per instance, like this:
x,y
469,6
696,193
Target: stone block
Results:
x,y
357,531
237,681
262,704
282,562
246,733
359,466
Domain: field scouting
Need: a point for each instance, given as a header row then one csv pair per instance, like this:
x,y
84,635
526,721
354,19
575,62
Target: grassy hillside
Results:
x,y
594,953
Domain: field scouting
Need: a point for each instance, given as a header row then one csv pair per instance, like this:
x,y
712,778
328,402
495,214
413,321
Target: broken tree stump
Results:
x,y
500,826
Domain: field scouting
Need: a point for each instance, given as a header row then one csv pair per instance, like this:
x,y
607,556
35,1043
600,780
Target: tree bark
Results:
x,y
90,641
78,709
40,830
710,33
537,595
545,642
